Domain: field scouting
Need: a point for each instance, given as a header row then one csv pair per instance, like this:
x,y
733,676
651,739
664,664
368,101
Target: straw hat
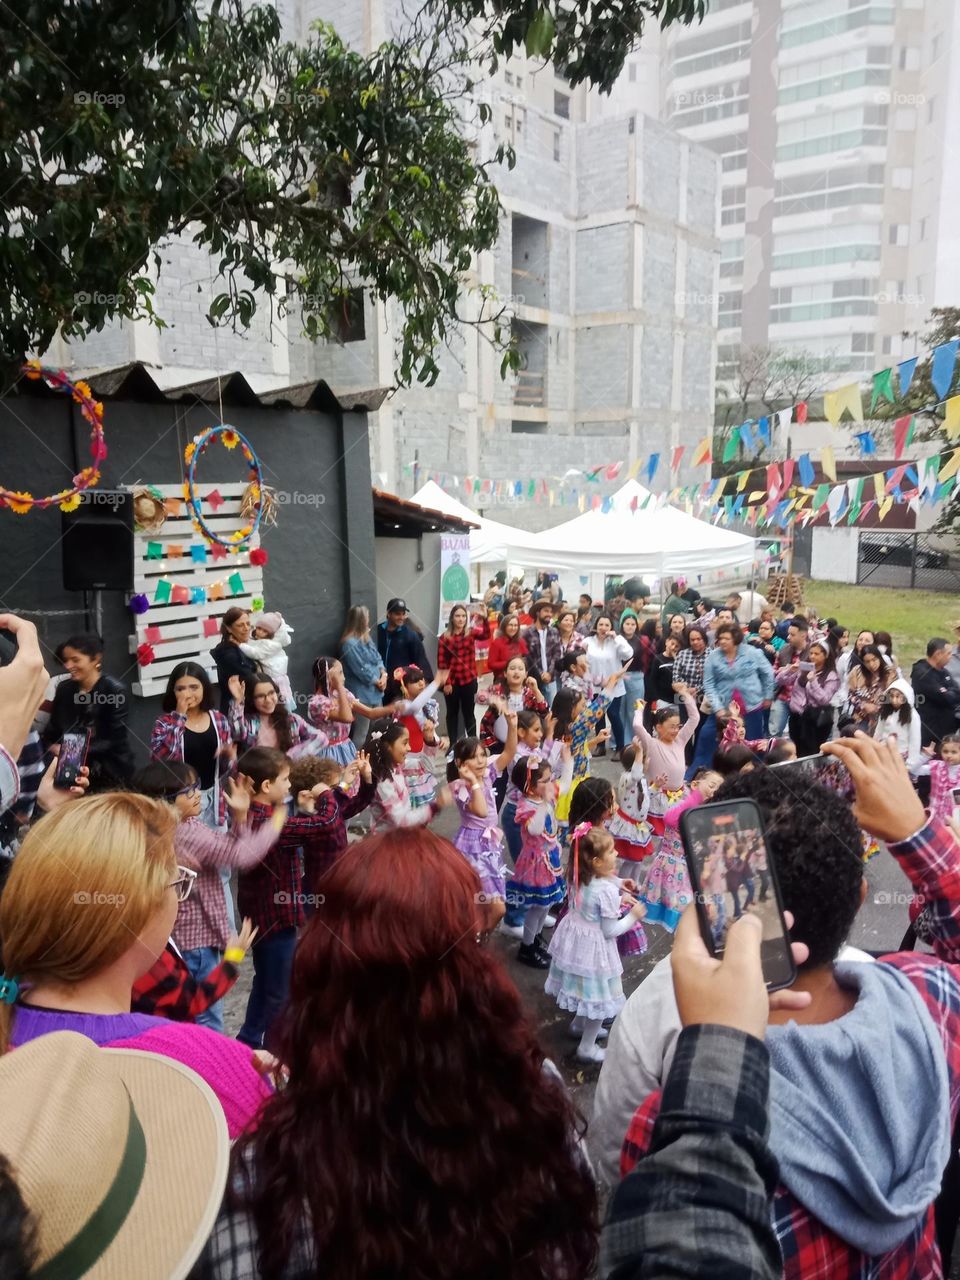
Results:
x,y
124,1135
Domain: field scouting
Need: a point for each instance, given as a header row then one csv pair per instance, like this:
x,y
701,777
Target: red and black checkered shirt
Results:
x,y
810,1250
271,893
323,835
169,990
458,654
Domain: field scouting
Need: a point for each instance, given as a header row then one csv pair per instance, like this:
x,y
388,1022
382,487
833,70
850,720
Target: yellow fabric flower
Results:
x,y
32,370
71,503
188,452
230,439
20,503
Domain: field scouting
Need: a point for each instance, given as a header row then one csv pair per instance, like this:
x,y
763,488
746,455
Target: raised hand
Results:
x,y
363,764
238,793
243,940
237,688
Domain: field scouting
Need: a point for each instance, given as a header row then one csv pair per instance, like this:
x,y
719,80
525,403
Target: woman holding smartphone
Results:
x,y
96,703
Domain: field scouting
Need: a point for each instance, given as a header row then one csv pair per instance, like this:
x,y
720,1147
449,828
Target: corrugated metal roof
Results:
x,y
136,381
399,515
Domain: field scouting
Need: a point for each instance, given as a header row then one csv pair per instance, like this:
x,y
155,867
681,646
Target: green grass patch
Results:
x,y
911,617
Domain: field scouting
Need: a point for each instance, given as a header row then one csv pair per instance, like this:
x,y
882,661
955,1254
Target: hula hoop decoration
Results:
x,y
19,501
230,438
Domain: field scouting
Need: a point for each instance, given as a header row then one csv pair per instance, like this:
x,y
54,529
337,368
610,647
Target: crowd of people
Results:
x,y
382,1032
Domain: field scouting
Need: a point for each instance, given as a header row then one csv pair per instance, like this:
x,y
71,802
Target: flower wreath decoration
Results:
x,y
230,438
19,501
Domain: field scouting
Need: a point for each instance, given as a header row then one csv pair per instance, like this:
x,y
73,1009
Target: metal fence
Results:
x,y
910,560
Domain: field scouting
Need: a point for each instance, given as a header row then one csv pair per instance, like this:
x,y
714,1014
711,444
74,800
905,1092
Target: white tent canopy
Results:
x,y
489,543
658,540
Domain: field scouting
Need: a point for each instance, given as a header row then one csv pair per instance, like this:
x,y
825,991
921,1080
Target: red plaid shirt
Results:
x,y
169,990
931,860
166,743
271,893
458,654
323,835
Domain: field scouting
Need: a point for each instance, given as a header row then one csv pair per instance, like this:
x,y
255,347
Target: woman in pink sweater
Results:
x,y
89,904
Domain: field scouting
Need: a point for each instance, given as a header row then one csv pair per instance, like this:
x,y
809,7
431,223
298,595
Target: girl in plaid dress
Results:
x,y
538,875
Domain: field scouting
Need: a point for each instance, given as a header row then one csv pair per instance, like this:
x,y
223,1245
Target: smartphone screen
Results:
x,y
828,771
72,758
956,797
731,871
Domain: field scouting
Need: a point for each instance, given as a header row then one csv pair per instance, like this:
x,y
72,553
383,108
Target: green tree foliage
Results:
x,y
586,40
303,169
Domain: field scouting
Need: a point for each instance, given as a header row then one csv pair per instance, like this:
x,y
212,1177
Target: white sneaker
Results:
x,y
550,922
595,1054
515,930
576,1029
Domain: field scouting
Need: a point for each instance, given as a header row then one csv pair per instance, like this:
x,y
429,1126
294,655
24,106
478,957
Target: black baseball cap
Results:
x,y
396,605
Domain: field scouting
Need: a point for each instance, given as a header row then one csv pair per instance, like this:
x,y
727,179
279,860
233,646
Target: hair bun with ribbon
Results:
x,y
582,829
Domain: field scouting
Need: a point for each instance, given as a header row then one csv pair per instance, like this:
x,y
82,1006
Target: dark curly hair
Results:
x,y
419,1134
817,849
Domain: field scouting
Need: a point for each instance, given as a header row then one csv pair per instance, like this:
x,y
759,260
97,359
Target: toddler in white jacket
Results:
x,y
271,635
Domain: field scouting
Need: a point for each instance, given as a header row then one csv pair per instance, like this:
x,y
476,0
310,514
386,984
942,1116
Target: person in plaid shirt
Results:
x,y
169,990
321,789
271,893
866,1081
544,648
457,654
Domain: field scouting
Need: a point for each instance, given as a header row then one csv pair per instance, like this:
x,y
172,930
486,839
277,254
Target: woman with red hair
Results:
x,y
420,1134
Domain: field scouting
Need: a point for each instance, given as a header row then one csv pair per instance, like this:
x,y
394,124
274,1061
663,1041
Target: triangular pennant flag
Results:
x,y
951,418
902,432
820,497
742,479
882,388
210,627
152,635
181,595
942,365
905,370
800,412
763,430
885,506
163,592
868,446
756,496
788,467
879,485
827,462
719,486
613,470
652,463
784,418
677,457
950,467
198,595
845,399
746,437
154,550
774,483
730,448
702,453
806,469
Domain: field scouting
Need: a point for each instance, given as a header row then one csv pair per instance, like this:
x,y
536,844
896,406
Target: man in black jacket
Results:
x,y
400,646
937,693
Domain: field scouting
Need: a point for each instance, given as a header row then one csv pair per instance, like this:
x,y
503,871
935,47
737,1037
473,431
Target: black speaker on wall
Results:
x,y
97,542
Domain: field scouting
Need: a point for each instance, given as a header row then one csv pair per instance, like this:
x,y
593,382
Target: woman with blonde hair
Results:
x,y
363,671
88,907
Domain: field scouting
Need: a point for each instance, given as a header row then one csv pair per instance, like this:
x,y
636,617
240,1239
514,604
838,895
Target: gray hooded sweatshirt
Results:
x,y
860,1110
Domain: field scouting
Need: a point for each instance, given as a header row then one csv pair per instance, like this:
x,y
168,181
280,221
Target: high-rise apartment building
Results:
x,y
606,262
835,122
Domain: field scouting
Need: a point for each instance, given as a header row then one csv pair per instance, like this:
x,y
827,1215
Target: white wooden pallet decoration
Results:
x,y
181,625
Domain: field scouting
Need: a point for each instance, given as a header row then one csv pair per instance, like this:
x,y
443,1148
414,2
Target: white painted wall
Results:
x,y
834,554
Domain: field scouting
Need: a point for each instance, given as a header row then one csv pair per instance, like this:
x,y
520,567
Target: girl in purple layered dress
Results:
x,y
473,776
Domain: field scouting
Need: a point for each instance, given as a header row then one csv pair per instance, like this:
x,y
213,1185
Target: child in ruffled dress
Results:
x,y
418,712
388,745
628,824
473,777
595,803
271,635
333,709
585,965
666,890
538,876
531,740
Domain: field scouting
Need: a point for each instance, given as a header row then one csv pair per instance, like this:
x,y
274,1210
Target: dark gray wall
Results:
x,y
321,556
